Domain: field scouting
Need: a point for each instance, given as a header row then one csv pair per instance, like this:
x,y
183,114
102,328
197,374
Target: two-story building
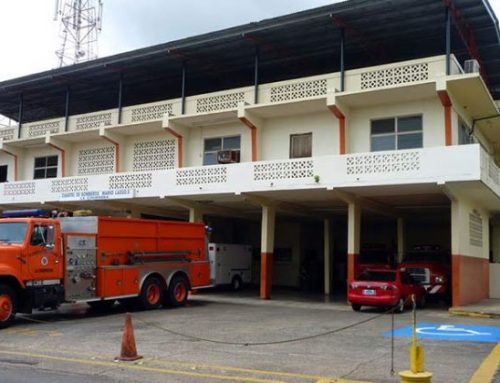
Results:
x,y
307,136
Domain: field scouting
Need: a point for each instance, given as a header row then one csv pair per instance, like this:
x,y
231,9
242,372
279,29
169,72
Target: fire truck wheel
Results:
x,y
151,294
178,291
7,305
356,307
236,283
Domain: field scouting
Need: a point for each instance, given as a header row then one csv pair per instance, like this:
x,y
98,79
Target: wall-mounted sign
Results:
x,y
97,195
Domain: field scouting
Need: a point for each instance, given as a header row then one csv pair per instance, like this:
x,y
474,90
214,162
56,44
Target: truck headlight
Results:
x,y
439,279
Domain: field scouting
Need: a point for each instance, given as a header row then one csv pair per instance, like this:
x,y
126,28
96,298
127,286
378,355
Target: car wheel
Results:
x,y
151,294
178,291
356,307
8,305
236,283
400,306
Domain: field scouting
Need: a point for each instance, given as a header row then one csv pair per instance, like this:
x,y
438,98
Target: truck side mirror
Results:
x,y
50,237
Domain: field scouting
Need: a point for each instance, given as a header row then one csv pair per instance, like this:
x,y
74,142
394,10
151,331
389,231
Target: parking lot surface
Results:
x,y
229,337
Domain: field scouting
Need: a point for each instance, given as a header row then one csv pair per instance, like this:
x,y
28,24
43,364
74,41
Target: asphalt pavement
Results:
x,y
225,336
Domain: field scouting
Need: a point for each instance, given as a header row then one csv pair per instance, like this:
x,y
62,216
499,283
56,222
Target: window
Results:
x,y
3,173
396,133
464,137
39,235
301,145
45,167
213,145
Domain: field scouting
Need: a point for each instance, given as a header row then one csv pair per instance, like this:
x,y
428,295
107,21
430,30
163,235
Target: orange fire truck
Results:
x,y
45,262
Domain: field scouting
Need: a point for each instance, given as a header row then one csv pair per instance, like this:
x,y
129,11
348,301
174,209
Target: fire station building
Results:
x,y
311,136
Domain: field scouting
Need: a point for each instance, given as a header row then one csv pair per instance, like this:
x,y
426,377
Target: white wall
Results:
x,y
28,163
359,122
275,134
461,244
494,280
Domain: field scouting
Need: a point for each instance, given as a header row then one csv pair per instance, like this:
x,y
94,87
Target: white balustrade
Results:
x,y
430,165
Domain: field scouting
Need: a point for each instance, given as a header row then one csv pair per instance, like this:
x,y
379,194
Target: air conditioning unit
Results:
x,y
228,156
472,66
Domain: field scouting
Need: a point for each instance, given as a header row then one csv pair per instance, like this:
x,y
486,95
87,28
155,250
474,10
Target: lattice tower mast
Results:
x,y
80,24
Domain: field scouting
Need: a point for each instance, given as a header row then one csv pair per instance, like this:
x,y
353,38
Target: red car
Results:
x,y
385,288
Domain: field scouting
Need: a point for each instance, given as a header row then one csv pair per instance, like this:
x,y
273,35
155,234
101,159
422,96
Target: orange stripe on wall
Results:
x,y
340,116
253,130
180,141
266,275
447,125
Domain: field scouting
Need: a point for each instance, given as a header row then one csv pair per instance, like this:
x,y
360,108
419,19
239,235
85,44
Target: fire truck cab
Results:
x,y
430,265
45,262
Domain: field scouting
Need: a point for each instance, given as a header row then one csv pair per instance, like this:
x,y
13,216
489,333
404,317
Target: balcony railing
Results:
x,y
430,165
358,80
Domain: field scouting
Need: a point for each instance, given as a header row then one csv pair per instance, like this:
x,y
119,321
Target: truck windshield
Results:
x,y
13,232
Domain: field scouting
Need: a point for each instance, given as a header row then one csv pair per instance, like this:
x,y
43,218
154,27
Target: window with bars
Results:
x,y
396,133
300,145
45,167
214,145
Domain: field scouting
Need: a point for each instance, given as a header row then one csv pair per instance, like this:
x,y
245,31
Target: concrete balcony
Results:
x,y
210,108
439,166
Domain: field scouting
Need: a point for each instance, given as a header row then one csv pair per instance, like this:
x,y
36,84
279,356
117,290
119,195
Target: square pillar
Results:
x,y
327,248
267,249
401,239
195,215
353,239
470,247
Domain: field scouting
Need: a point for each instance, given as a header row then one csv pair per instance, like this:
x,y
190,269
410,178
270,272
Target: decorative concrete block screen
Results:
x,y
154,155
395,76
219,102
8,134
298,90
204,175
19,188
281,170
151,112
96,161
476,229
376,163
37,130
67,185
93,121
131,181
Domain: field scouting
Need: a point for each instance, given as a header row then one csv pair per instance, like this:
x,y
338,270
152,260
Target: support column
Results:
x,y
353,239
327,250
195,215
66,109
120,99
470,253
448,41
401,239
20,116
342,60
256,76
183,88
267,249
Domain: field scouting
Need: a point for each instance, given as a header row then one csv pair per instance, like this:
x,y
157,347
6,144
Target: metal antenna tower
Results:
x,y
81,22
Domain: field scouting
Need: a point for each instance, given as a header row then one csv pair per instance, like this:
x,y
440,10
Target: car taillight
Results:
x,y
389,287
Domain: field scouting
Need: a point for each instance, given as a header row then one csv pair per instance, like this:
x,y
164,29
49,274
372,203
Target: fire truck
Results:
x,y
45,262
430,265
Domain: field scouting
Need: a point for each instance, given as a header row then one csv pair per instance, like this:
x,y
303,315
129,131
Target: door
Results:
x,y
43,258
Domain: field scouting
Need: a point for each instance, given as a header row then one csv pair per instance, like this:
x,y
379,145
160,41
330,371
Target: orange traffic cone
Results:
x,y
129,351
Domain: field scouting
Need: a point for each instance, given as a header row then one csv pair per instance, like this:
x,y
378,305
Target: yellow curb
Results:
x,y
473,314
485,372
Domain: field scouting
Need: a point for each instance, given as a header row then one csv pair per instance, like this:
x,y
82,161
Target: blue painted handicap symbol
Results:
x,y
454,332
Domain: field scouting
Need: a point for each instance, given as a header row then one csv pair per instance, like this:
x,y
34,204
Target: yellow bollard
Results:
x,y
417,371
